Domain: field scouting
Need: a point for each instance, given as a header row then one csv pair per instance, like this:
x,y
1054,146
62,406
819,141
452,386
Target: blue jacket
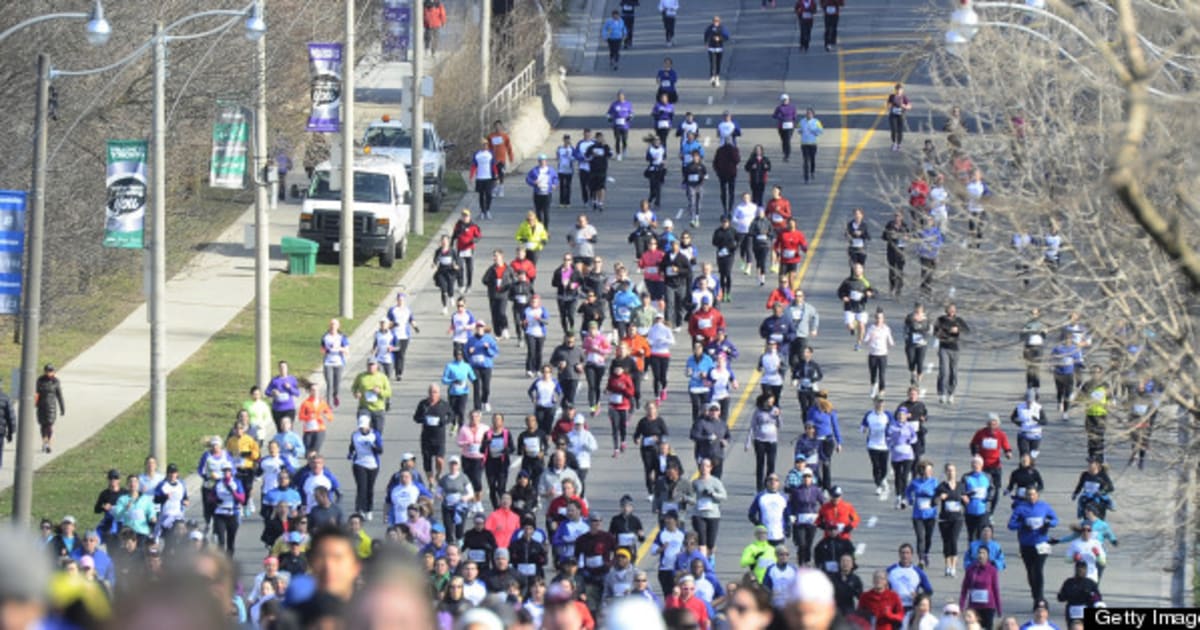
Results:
x,y
810,129
826,423
920,493
777,329
995,554
978,487
1032,522
288,495
670,76
700,369
686,148
725,346
531,178
481,350
929,242
623,305
458,376
1066,358
614,28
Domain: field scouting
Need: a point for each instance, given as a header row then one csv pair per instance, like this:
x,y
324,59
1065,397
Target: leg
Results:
x,y
760,462
953,376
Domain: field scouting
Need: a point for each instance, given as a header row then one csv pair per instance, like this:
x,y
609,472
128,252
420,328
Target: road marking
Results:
x,y
844,164
869,50
858,111
869,85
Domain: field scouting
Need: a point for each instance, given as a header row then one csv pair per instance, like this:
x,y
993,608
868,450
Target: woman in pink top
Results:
x,y
596,348
981,589
471,442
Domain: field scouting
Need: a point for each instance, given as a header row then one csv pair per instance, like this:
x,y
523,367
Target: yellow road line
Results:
x,y
859,98
843,167
868,50
860,110
870,85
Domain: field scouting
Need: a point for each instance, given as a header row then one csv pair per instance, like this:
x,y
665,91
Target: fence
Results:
x,y
524,83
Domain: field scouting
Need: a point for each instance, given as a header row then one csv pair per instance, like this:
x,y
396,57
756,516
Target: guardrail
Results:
x,y
523,85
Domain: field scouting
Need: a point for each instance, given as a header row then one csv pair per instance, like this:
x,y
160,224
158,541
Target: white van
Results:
x,y
382,208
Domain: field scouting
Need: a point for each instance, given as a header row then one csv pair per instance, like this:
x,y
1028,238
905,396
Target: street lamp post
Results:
x,y
346,233
263,198
98,32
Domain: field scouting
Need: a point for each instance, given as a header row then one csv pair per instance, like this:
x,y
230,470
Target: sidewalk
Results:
x,y
106,379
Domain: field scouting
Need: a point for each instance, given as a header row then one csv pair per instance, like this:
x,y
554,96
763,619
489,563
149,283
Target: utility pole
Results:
x,y
262,242
346,268
31,320
417,168
158,255
485,53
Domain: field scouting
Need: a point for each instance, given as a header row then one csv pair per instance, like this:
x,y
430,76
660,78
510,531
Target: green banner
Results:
x,y
125,212
231,134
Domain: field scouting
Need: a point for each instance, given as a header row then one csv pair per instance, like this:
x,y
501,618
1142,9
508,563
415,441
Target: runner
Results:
x,y
445,270
810,129
404,325
694,174
669,10
897,103
542,179
485,171
481,351
832,10
951,495
785,121
715,36
917,332
805,11
613,32
725,165
502,149
878,340
335,347
896,234
566,170
758,166
857,236
854,292
597,157
948,329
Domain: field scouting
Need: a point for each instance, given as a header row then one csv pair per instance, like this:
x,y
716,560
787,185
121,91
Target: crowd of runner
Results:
x,y
494,551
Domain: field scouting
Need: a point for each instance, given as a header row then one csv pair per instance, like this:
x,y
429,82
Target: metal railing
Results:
x,y
524,83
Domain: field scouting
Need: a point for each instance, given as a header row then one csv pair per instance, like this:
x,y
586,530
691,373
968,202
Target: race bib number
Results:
x,y
1034,522
831,10
979,596
522,299
466,253
593,562
1076,612
473,449
282,396
476,555
924,503
787,124
616,399
627,540
1034,340
806,383
453,498
918,339
445,261
789,253
1091,487
897,111
723,252
698,390
370,396
990,443
533,446
704,503
663,124
831,566
527,569
432,421
496,445
704,324
806,519
693,177
478,359
952,506
497,141
856,296
666,84
620,122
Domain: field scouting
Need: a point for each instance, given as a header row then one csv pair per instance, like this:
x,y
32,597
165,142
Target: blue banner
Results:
x,y
325,70
12,249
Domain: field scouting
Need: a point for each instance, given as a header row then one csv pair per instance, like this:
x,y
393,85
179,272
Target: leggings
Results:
x,y
225,526
831,25
879,462
1035,571
695,194
805,33
533,353
518,310
928,268
764,462
706,530
669,27
585,185
649,466
896,124
975,523
656,184
804,535
699,400
621,140
658,367
483,386
452,527
916,359
807,398
1063,385
564,189
895,262
333,383
541,207
614,51
445,283
666,577
473,468
313,441
923,528
760,259
728,195
595,374
497,479
628,20
950,531
499,317
743,241
398,357
785,140
714,63
901,470
566,314
1033,372
618,419
756,191
458,405
569,387
466,270
725,273
877,367
484,188
545,418
809,151
364,488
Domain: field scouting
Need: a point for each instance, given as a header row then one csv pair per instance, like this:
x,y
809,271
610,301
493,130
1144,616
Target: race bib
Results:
x,y
924,503
650,441
1034,522
1034,340
831,10
593,562
979,493
620,589
527,569
918,339
789,253
476,555
533,445
282,396
432,421
616,399
857,243
445,261
704,503
496,445
897,111
979,596
693,177
466,253
787,124
704,323
620,122
453,498
952,506
806,15
723,252
627,540
760,237
370,396
522,299
990,443
670,507
666,84
497,141
473,449
698,390
663,124
806,519
1076,612
806,383
831,566
1091,487
856,296
478,359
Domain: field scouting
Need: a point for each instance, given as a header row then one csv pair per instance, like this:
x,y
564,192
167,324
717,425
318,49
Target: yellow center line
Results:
x,y
843,167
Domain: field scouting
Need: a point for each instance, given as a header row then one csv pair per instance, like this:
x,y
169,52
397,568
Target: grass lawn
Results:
x,y
205,392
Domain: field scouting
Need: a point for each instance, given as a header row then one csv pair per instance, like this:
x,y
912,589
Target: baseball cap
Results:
x,y
579,420
760,529
714,405
49,367
454,459
595,518
113,473
481,324
364,422
951,609
542,156
196,535
668,223
1041,603
172,468
479,518
295,538
783,97
214,441
807,473
836,491
372,361
993,416
68,519
811,585
87,562
438,527
706,300
408,456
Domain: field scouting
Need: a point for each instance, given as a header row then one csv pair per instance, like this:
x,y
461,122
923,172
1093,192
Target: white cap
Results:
x,y
783,97
668,223
364,422
633,612
811,585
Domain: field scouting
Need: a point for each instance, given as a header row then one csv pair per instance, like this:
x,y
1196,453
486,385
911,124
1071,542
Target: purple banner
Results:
x,y
397,29
325,68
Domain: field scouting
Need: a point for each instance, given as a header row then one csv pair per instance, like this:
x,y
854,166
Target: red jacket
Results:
x,y
622,387
702,324
833,514
885,606
518,265
557,510
988,444
435,15
466,235
791,245
503,523
806,6
694,604
918,193
778,213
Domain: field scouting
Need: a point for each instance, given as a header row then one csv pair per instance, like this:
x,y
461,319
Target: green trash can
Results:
x,y
301,254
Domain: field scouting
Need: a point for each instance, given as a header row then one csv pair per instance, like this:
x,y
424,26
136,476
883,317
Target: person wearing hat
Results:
x,y
228,498
803,509
478,543
366,445
171,496
710,435
779,577
455,491
292,561
481,351
837,517
50,404
597,549
620,579
1079,592
542,179
705,321
785,119
106,501
989,442
759,554
465,236
373,389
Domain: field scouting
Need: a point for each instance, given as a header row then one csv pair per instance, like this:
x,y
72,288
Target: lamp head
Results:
x,y
256,26
98,28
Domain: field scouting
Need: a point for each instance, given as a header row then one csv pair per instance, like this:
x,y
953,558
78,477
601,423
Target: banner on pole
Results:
x,y
397,29
125,213
12,249
231,133
325,69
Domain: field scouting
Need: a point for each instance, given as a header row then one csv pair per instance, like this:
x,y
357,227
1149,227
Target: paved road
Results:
x,y
846,88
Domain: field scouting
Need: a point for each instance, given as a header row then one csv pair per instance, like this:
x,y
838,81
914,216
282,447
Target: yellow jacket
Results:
x,y
244,451
534,237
